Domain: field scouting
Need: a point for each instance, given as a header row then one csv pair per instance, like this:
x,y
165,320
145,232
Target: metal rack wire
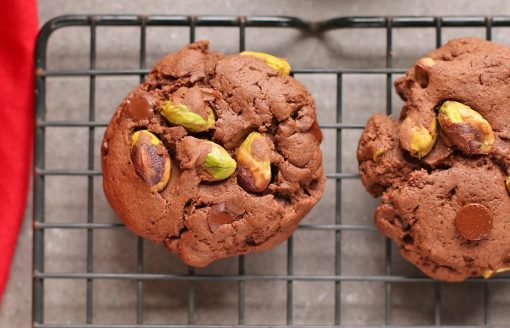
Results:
x,y
242,23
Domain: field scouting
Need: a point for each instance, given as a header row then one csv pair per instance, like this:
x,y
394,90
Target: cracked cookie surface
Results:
x,y
444,200
204,221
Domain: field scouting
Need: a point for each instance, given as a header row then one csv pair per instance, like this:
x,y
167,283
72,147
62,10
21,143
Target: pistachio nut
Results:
x,y
421,70
466,128
378,153
507,184
426,62
416,139
150,159
217,164
180,114
253,158
488,273
279,64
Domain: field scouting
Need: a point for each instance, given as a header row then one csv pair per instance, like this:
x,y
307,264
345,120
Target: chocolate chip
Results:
x,y
474,221
139,107
468,258
408,239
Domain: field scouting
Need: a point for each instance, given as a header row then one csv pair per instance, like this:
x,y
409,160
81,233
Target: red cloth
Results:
x,y
18,31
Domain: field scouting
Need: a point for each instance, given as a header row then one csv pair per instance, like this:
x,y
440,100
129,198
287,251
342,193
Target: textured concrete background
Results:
x,y
114,250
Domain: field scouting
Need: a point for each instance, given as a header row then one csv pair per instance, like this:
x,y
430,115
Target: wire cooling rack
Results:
x,y
40,276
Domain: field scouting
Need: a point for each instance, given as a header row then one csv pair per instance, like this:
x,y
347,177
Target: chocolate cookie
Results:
x,y
443,168
214,155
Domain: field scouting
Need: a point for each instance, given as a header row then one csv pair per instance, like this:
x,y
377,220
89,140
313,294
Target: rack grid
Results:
x,y
242,23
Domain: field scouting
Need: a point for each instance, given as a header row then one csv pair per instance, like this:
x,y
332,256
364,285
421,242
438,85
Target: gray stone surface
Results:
x,y
362,252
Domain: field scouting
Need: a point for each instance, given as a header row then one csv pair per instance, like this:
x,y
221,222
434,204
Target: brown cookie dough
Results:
x,y
441,168
381,161
204,212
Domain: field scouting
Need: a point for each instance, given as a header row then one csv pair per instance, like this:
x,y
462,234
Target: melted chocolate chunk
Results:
x,y
139,107
219,215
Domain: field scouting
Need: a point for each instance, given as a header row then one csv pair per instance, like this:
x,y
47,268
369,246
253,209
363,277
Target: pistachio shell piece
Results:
x,y
217,164
180,114
254,165
466,128
150,160
507,184
279,64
